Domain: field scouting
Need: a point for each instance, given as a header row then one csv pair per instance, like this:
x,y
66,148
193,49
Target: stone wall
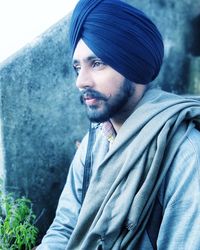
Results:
x,y
40,112
41,120
179,23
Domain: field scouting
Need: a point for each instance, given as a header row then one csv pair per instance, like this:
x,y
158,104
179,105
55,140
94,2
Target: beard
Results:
x,y
107,107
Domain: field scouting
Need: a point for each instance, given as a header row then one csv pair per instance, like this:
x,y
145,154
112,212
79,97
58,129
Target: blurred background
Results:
x,y
41,118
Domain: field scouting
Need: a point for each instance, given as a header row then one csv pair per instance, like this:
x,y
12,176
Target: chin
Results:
x,y
98,118
98,114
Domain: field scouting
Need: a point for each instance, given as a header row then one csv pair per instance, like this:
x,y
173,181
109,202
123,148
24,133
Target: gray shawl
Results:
x,y
123,189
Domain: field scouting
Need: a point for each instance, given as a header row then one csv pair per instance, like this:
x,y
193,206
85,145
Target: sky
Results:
x,y
23,20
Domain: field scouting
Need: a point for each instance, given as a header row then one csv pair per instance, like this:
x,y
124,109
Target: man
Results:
x,y
134,182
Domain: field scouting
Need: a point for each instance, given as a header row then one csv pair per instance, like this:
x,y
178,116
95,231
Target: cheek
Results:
x,y
110,82
115,84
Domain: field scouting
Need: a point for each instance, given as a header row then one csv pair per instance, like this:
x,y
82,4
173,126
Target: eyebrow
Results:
x,y
87,59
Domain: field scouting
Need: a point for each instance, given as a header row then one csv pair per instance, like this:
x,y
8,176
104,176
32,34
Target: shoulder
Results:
x,y
183,177
193,139
180,196
189,151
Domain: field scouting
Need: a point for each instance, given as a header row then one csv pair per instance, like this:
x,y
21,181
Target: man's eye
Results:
x,y
97,64
77,69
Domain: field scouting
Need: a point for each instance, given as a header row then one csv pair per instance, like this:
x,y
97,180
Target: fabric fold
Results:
x,y
132,172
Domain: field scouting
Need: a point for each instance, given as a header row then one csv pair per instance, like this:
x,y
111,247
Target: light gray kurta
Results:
x,y
156,154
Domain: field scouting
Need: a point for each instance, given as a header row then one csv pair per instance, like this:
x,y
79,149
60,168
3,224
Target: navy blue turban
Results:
x,y
121,35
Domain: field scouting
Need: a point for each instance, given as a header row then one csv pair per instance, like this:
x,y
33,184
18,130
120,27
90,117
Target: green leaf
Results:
x,y
17,230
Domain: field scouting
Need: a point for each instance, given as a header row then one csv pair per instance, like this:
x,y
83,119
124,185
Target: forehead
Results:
x,y
82,52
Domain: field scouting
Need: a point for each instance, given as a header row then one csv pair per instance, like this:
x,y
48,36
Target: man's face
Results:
x,y
104,91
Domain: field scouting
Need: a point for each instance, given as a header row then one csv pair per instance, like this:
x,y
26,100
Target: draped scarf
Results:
x,y
123,188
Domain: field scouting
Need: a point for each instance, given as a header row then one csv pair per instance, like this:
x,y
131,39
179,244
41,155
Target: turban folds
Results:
x,y
121,35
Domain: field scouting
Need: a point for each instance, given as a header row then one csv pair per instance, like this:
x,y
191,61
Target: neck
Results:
x,y
128,109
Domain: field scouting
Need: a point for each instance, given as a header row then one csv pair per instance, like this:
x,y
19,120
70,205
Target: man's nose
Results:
x,y
84,79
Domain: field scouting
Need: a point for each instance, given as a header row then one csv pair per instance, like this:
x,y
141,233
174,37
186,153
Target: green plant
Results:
x,y
17,230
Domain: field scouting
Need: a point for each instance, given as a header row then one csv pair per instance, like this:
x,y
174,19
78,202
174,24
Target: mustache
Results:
x,y
93,94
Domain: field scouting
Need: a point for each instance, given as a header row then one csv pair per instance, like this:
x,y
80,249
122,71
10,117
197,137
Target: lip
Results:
x,y
90,101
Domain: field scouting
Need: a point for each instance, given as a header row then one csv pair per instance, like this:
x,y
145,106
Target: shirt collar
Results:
x,y
108,131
